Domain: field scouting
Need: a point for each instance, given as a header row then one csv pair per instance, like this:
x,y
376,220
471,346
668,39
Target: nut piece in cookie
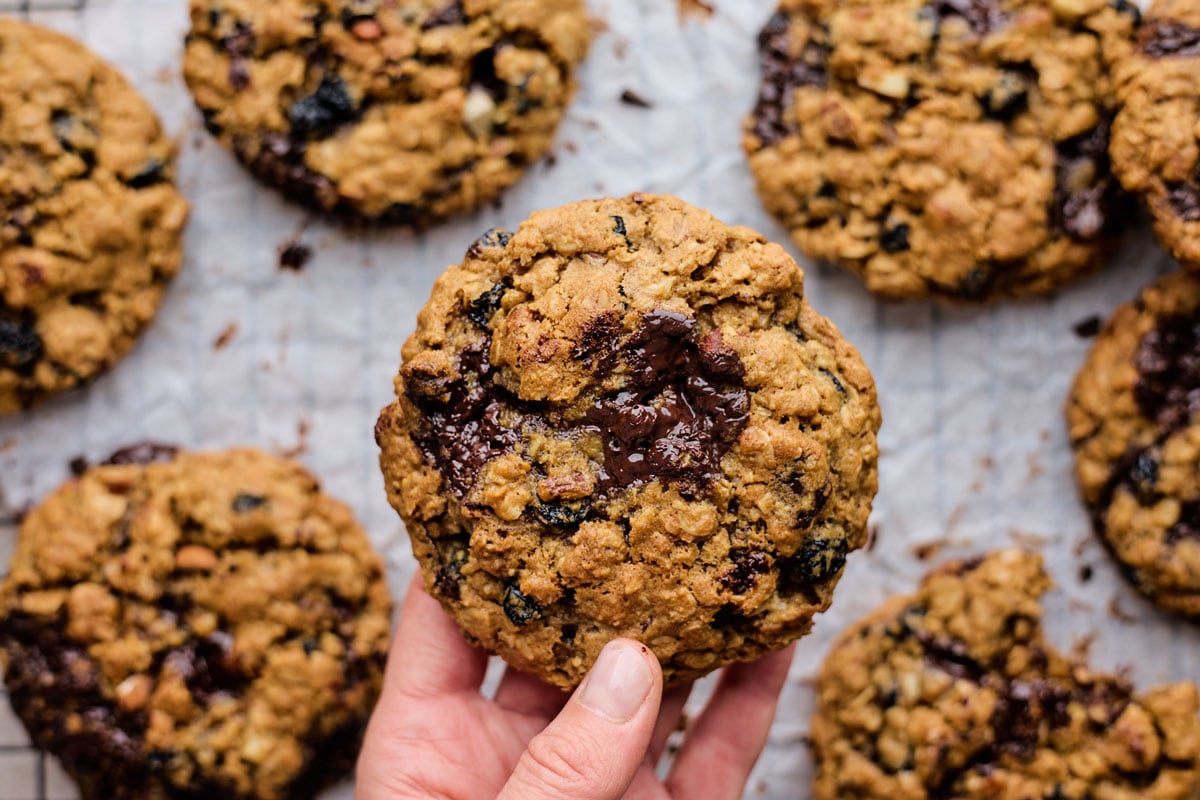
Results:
x,y
194,625
1156,133
954,692
90,221
386,112
625,420
1134,422
954,149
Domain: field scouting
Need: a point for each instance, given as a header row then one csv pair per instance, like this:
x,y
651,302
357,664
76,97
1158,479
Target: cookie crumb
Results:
x,y
294,256
226,336
695,9
1086,573
1117,612
1088,327
78,465
301,446
632,98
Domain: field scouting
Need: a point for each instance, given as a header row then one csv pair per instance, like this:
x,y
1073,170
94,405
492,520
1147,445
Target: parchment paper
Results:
x,y
974,450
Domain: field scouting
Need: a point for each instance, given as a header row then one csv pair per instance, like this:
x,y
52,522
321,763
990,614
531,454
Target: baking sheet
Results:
x,y
974,450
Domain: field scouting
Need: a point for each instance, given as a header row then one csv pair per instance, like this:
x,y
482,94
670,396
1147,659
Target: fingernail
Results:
x,y
618,684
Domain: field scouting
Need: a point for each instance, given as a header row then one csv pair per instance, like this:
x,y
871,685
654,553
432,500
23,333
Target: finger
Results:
x,y
595,746
527,695
430,657
721,748
669,714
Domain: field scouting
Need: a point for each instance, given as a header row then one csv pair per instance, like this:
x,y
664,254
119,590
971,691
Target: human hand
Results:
x,y
435,735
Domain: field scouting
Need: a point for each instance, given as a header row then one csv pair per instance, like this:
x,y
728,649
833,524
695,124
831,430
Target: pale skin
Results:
x,y
435,735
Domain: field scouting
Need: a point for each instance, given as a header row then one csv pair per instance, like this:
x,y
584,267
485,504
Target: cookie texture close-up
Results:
x,y
1134,422
625,420
954,149
90,221
397,111
194,625
1156,134
953,692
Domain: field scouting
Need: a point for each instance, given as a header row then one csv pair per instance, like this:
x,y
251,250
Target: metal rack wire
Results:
x,y
27,7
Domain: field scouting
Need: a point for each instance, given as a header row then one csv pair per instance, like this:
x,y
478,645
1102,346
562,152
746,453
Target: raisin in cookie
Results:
x,y
625,420
956,148
90,221
953,692
207,625
1134,422
401,111
1156,134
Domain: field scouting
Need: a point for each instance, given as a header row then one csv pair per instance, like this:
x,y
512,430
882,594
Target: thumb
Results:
x,y
592,750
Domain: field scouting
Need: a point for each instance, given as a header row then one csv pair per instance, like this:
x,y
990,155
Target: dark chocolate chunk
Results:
x,y
450,14
321,113
950,656
597,344
20,345
983,16
1163,38
632,98
495,237
1188,526
483,74
743,574
782,74
1168,364
152,173
1185,200
294,256
245,503
1088,202
1009,98
484,307
895,239
144,453
519,608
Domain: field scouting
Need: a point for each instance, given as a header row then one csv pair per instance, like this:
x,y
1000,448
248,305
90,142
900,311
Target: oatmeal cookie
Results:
x,y
204,625
1134,422
400,111
956,148
90,220
953,692
625,420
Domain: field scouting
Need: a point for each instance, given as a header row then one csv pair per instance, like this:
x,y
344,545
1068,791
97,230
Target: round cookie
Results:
x,y
208,625
626,420
1156,135
953,692
403,111
955,148
1133,418
90,221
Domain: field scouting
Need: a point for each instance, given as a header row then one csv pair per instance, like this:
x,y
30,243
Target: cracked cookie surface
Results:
x,y
398,111
203,625
625,420
1134,422
90,221
953,692
1156,134
954,148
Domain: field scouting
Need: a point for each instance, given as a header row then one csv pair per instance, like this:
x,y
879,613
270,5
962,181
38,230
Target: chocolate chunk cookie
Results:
x,y
953,692
1156,134
90,221
1134,421
625,420
949,148
205,625
400,111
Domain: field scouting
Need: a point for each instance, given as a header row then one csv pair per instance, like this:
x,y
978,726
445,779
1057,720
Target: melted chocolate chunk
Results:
x,y
20,346
484,307
743,574
519,608
782,74
1188,526
1163,38
983,16
950,656
1088,202
1168,363
143,453
597,342
321,113
673,421
451,14
1185,200
463,429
